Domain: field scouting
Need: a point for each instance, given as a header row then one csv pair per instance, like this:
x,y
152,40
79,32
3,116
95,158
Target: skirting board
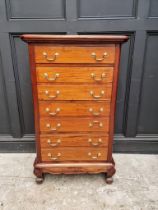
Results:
x,y
144,144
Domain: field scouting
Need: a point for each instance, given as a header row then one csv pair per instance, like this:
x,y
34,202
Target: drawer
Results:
x,y
74,124
74,54
90,108
74,154
74,74
74,140
75,92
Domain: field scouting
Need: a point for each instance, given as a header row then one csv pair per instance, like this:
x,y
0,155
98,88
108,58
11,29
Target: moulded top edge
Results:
x,y
35,38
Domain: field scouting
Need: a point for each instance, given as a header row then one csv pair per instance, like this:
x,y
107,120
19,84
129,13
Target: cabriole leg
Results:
x,y
111,171
38,173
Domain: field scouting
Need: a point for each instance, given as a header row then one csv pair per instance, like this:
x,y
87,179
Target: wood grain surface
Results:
x,y
69,74
74,140
74,92
74,54
75,154
74,124
81,108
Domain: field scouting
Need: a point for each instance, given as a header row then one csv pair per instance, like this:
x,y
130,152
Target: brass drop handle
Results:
x,y
105,54
97,96
95,143
103,75
53,58
55,157
95,122
52,96
54,144
94,157
52,113
48,125
96,113
46,76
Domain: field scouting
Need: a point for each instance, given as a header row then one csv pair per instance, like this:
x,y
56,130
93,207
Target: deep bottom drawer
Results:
x,y
74,154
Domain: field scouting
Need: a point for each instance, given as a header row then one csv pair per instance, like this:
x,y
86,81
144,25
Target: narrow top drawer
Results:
x,y
75,54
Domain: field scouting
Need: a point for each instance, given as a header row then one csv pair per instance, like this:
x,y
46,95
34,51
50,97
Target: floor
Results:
x,y
135,186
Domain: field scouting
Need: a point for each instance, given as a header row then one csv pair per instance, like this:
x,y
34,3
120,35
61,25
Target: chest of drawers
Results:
x,y
74,83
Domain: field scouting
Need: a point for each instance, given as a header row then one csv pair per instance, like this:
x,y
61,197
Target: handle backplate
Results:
x,y
58,142
94,156
97,96
103,75
52,113
52,58
52,96
95,143
96,122
96,113
105,54
48,125
54,157
46,76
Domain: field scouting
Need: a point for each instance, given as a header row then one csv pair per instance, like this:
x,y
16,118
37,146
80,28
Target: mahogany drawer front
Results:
x,y
74,74
74,124
74,54
73,109
74,154
75,92
74,140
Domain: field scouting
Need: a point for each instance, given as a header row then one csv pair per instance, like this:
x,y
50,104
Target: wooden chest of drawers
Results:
x,y
74,82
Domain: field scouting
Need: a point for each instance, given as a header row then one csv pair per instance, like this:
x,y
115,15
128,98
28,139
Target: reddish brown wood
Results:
x,y
38,172
74,167
58,39
35,101
113,102
69,109
110,172
74,85
71,124
74,140
74,154
74,92
74,54
69,74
